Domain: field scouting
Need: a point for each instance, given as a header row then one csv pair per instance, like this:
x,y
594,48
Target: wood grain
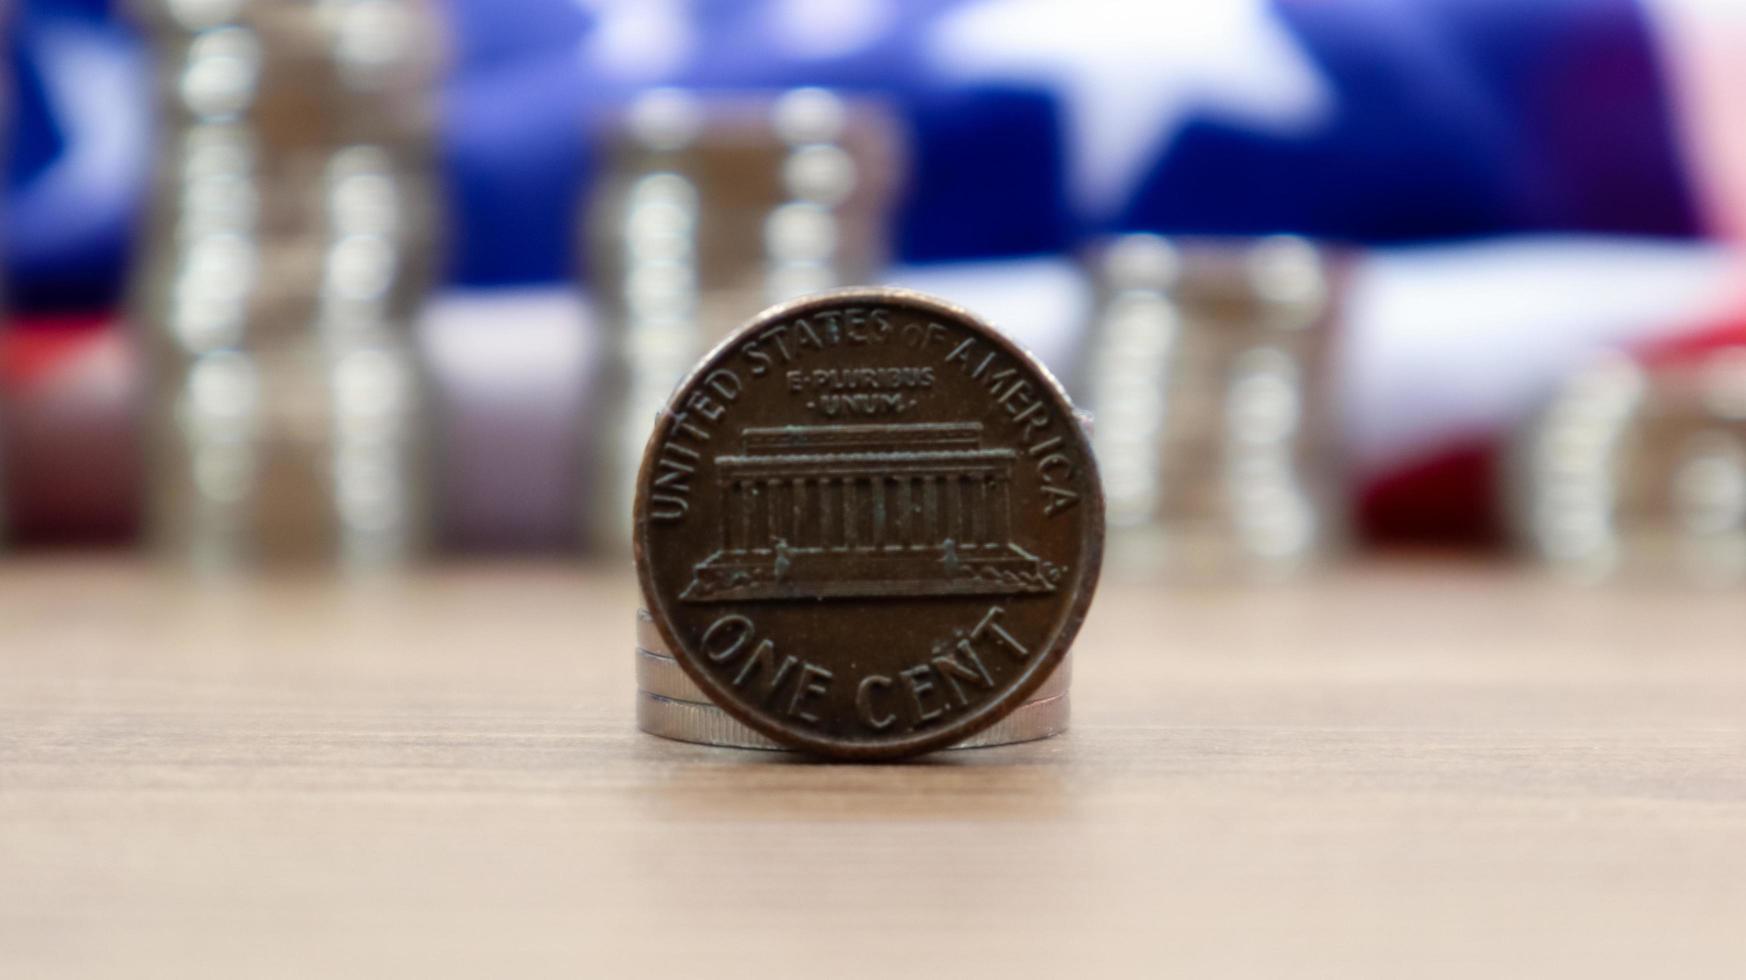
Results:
x,y
1416,770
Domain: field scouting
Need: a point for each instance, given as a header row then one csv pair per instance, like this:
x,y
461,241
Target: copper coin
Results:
x,y
868,525
706,724
661,675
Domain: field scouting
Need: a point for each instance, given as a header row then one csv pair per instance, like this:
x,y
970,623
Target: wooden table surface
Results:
x,y
1404,771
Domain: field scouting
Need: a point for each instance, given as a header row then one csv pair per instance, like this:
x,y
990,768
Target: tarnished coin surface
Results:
x,y
705,724
868,525
659,674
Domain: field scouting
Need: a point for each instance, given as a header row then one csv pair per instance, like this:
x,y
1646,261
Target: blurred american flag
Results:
x,y
1524,179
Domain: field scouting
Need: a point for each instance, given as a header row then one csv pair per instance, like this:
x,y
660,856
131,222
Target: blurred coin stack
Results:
x,y
6,15
291,242
671,705
709,208
1205,369
1639,470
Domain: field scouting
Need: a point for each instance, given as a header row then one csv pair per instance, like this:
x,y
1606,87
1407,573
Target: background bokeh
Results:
x,y
1495,194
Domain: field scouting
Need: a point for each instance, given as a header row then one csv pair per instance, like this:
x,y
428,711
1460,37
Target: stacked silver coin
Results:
x,y
1640,471
291,242
1205,369
709,209
671,705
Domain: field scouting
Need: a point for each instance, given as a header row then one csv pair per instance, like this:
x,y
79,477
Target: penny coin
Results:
x,y
868,524
660,674
706,724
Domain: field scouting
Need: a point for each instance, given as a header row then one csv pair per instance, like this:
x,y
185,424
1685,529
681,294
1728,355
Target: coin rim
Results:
x,y
961,727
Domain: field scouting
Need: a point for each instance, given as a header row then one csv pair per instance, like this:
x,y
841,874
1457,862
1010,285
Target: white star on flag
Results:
x,y
1131,74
